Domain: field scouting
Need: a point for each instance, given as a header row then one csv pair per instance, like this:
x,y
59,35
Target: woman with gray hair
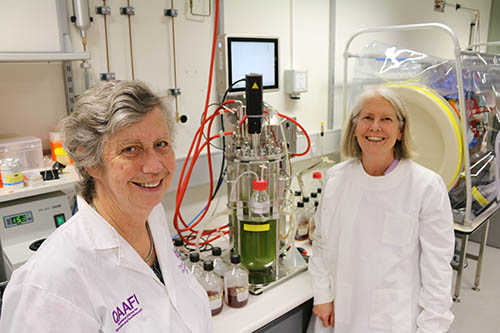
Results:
x,y
112,266
384,230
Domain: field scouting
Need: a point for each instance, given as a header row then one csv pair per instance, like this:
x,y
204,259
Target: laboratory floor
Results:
x,y
479,311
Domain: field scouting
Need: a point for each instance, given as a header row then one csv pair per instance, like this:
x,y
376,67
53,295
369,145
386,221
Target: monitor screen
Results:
x,y
252,55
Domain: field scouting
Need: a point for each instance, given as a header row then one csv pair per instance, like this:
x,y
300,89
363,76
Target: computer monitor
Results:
x,y
240,55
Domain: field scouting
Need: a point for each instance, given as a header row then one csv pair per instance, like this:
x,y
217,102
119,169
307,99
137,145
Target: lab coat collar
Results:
x,y
101,234
104,237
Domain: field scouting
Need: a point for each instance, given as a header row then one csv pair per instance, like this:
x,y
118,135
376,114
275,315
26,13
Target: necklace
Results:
x,y
151,246
150,253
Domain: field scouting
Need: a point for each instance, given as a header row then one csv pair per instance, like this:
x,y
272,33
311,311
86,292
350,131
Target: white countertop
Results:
x,y
264,308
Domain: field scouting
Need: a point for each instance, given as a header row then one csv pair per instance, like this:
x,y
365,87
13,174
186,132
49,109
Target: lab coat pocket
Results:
x,y
398,229
342,303
391,310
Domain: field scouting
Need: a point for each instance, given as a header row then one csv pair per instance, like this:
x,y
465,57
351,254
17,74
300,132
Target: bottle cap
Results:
x,y
178,241
216,251
298,193
235,258
300,204
194,257
208,265
317,175
314,195
305,199
259,184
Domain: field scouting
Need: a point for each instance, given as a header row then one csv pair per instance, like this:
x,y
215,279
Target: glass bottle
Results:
x,y
236,284
194,265
314,197
260,204
180,249
307,204
317,185
302,222
220,266
258,235
213,286
312,223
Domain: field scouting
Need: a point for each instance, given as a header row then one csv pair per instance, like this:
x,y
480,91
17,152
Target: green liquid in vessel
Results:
x,y
258,250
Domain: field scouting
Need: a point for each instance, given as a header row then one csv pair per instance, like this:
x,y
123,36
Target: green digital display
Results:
x,y
59,220
18,219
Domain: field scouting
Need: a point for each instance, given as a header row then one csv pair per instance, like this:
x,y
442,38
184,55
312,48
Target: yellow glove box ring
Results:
x,y
435,129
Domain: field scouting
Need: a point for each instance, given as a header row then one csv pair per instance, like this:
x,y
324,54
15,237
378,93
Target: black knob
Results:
x,y
208,265
235,258
194,257
184,118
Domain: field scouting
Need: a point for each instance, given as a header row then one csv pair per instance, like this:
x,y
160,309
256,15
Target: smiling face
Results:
x,y
377,129
138,166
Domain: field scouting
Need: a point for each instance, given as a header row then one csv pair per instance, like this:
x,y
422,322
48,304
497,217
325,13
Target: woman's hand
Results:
x,y
325,313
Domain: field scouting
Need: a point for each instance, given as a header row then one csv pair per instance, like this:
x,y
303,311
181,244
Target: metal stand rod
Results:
x,y
480,256
461,262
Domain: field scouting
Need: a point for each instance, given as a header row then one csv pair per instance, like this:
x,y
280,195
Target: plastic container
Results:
x,y
12,176
56,149
27,149
236,284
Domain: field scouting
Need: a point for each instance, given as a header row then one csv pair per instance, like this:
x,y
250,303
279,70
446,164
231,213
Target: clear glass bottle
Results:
x,y
236,284
307,204
213,286
180,249
260,228
312,222
220,266
260,204
317,185
195,266
301,215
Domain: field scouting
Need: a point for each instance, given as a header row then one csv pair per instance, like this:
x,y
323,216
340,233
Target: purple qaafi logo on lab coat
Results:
x,y
127,310
182,265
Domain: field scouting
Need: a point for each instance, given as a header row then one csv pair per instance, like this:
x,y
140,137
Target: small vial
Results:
x,y
302,218
180,249
194,265
236,284
220,266
213,286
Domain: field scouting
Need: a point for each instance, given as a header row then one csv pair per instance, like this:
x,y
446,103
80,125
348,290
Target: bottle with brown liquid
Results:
x,y
213,286
236,284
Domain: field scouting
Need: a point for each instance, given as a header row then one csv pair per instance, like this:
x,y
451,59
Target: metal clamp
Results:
x,y
127,11
107,76
103,10
171,12
174,91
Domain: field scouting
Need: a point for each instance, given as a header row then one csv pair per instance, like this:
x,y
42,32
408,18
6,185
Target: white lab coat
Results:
x,y
87,278
382,249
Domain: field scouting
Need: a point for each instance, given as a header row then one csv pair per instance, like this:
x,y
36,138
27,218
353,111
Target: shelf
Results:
x,y
15,57
67,180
